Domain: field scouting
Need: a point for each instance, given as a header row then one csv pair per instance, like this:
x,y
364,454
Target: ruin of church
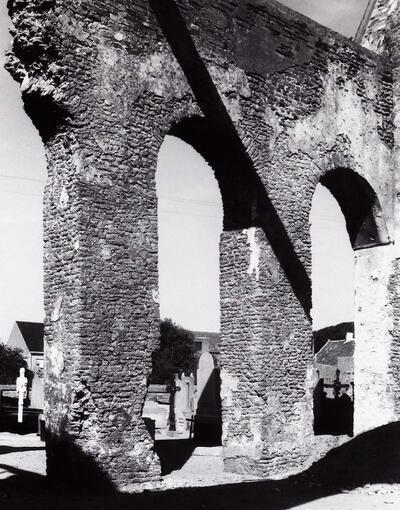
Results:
x,y
276,104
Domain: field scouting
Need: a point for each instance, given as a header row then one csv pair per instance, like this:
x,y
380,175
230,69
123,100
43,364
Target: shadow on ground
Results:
x,y
10,449
373,457
9,421
173,454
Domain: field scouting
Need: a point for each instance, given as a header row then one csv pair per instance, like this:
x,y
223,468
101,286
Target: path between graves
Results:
x,y
25,454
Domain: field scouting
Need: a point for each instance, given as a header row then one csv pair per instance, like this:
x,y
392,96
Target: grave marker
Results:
x,y
21,383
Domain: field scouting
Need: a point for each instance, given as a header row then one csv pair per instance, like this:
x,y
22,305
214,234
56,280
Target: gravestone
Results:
x,y
204,373
37,391
156,406
207,426
184,402
180,404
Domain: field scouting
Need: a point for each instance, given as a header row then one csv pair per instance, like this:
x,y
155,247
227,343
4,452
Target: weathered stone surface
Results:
x,y
273,102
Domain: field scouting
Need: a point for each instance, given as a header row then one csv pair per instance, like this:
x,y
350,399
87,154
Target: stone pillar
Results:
x,y
374,402
102,317
383,36
266,361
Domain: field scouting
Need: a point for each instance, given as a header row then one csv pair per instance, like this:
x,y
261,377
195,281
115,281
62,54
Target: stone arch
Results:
x,y
190,183
236,183
246,202
187,292
360,206
366,228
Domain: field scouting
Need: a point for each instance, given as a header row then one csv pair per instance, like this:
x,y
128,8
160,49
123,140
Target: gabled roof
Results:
x,y
336,332
333,350
32,333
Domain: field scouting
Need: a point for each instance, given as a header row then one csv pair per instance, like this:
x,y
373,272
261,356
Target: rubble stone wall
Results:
x,y
273,101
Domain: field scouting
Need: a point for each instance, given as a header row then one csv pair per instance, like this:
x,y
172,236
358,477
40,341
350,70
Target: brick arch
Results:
x,y
360,205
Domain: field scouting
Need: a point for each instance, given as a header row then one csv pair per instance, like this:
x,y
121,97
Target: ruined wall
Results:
x,y
379,27
281,101
383,35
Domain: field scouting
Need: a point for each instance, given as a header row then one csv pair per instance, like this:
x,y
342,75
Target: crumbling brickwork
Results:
x,y
273,102
383,36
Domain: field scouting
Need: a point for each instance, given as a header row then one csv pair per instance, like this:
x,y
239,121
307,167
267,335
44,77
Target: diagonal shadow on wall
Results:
x,y
246,202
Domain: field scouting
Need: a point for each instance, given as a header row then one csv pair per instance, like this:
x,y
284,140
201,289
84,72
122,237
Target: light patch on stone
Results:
x,y
55,358
246,447
257,442
39,86
56,409
92,174
237,413
138,450
254,265
370,89
109,56
119,36
289,340
229,384
112,85
94,443
77,161
63,202
161,74
105,253
77,29
101,142
373,339
233,107
25,83
230,80
155,294
309,377
271,119
76,245
56,313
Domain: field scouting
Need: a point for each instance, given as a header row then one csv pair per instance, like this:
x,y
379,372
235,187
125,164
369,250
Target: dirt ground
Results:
x,y
199,484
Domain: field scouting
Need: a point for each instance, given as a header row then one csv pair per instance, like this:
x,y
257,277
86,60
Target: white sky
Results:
x,y
190,216
190,223
332,262
343,16
22,177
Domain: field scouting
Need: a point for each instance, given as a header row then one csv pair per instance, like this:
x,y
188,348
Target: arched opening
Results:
x,y
189,226
182,402
360,206
345,216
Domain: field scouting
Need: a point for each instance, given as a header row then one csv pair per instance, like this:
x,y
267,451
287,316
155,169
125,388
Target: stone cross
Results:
x,y
172,388
21,383
337,385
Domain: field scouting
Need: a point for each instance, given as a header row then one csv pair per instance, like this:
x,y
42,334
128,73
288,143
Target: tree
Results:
x,y
11,360
175,355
